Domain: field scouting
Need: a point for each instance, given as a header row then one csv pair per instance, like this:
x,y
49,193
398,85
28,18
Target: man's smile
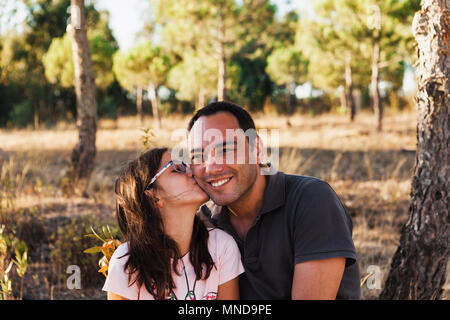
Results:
x,y
218,183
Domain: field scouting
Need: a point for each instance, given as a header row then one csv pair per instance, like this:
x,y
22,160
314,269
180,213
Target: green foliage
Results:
x,y
21,114
9,243
36,72
344,25
194,78
107,108
141,66
248,35
6,284
21,260
67,249
109,243
59,64
287,65
23,80
147,138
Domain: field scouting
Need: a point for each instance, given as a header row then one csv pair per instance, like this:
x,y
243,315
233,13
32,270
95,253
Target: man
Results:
x,y
294,234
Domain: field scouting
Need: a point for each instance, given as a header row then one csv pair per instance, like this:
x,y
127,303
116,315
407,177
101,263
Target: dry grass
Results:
x,y
370,171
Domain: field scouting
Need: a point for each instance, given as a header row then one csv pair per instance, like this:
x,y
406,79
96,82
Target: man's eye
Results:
x,y
196,158
225,150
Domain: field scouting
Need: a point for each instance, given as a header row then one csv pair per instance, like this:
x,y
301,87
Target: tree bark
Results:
x,y
140,113
374,89
343,100
349,85
83,155
155,105
289,109
418,267
201,98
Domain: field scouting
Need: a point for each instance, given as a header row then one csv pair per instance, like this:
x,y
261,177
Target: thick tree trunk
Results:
x,y
222,74
349,85
155,105
418,267
374,90
83,155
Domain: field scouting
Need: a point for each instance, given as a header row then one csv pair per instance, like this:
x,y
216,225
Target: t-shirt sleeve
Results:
x,y
322,226
117,279
230,264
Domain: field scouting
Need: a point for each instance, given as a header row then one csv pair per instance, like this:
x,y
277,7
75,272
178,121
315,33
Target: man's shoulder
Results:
x,y
299,183
304,191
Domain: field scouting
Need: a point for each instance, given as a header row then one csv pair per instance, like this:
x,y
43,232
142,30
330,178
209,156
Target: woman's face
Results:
x,y
178,188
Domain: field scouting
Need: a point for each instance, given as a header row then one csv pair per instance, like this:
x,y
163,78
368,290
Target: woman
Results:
x,y
168,253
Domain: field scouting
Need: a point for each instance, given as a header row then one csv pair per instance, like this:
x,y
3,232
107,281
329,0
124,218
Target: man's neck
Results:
x,y
249,205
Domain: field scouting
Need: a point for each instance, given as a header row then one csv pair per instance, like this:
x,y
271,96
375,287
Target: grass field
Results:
x,y
370,171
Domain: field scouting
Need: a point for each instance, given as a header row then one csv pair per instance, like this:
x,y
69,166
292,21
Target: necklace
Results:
x,y
190,295
234,213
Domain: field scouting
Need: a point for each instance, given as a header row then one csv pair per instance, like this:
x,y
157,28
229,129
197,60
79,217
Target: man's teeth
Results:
x,y
220,182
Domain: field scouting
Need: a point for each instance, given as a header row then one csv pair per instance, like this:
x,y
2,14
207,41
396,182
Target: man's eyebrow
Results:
x,y
220,144
225,143
196,150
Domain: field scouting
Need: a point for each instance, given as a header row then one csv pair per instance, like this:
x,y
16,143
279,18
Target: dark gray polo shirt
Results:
x,y
302,219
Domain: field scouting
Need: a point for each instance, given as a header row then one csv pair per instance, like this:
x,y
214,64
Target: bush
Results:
x,y
21,114
67,248
107,108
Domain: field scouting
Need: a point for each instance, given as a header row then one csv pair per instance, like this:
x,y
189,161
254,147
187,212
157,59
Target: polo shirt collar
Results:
x,y
274,197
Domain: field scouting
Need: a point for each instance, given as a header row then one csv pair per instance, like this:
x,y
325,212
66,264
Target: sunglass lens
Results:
x,y
180,167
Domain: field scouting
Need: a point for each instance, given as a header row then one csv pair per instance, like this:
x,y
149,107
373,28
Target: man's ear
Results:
x,y
259,150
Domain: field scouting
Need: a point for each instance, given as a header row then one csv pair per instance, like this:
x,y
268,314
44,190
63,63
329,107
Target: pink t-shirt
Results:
x,y
224,252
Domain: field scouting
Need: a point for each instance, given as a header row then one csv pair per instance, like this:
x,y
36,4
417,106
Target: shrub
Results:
x,y
67,248
21,114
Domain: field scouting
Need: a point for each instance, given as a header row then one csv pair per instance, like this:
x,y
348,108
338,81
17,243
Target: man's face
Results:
x,y
220,158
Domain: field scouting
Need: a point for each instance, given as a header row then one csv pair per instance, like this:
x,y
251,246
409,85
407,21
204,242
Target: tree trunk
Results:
x,y
36,117
349,85
201,98
289,109
343,101
140,113
374,90
83,155
222,75
418,267
155,105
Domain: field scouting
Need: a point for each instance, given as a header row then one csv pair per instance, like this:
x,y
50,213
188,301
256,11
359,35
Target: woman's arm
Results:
x,y
113,296
229,290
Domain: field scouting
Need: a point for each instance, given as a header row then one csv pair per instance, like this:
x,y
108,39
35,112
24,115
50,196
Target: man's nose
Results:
x,y
213,165
188,171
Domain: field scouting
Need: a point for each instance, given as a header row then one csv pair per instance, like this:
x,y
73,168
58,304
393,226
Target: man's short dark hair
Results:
x,y
242,116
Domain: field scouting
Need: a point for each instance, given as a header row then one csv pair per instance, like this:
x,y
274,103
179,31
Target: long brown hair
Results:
x,y
150,249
